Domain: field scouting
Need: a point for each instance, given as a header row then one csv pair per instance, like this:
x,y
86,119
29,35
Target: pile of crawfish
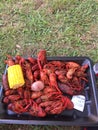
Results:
x,y
59,79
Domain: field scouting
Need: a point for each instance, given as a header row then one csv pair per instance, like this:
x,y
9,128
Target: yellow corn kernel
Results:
x,y
15,76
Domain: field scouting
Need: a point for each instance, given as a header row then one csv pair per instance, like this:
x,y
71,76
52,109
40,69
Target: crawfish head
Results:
x,y
16,107
53,81
35,95
36,75
42,60
9,92
55,108
10,62
49,89
44,77
6,100
35,67
70,65
81,71
36,110
19,60
14,97
62,78
28,70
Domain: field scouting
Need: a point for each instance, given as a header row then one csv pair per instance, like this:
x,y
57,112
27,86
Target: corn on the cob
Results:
x,y
15,76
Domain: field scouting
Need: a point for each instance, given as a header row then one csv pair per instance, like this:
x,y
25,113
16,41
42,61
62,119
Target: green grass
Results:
x,y
30,127
62,27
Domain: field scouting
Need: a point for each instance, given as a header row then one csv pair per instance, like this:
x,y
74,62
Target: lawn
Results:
x,y
61,27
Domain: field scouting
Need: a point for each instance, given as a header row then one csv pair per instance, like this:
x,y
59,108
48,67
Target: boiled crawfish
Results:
x,y
36,110
55,104
19,106
42,60
59,77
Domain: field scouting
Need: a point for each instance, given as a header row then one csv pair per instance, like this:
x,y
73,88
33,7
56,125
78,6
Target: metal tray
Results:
x,y
73,117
